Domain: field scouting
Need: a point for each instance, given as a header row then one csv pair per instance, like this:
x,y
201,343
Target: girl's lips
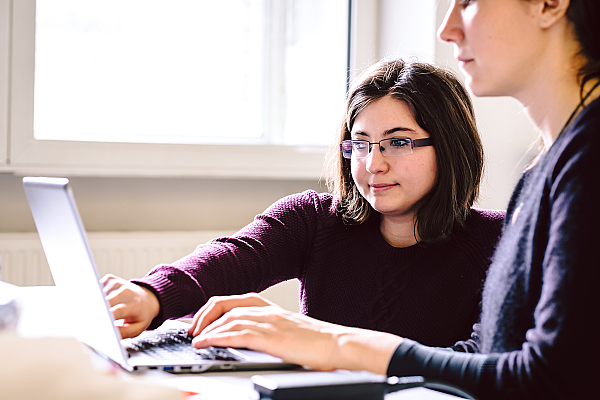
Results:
x,y
381,187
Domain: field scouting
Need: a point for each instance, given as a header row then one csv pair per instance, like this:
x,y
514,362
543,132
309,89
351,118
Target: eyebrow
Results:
x,y
388,132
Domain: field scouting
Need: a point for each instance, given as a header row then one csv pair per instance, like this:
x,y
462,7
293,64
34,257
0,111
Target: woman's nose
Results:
x,y
450,30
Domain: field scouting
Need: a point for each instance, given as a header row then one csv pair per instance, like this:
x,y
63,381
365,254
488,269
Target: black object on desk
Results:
x,y
330,385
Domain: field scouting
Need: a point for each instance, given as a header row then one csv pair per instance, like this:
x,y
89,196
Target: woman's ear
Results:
x,y
552,11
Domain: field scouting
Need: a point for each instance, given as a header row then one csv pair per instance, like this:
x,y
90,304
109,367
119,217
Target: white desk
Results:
x,y
46,313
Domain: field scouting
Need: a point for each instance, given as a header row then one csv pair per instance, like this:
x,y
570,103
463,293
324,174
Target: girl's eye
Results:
x,y
399,142
359,145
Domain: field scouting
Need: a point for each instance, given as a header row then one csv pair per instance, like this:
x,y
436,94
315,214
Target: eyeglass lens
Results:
x,y
394,147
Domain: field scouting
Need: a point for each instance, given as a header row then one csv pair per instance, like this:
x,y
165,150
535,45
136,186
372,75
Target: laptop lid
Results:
x,y
72,265
73,268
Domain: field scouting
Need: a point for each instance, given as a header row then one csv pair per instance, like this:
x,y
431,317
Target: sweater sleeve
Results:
x,y
467,372
271,249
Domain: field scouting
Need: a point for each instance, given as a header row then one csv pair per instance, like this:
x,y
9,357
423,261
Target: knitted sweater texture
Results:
x,y
349,274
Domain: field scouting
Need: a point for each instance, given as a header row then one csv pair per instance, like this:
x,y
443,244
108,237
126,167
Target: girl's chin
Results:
x,y
390,211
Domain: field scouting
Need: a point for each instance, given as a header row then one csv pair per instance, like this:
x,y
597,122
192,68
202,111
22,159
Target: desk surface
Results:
x,y
45,313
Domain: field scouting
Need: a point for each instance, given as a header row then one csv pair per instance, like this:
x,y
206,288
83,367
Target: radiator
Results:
x,y
125,254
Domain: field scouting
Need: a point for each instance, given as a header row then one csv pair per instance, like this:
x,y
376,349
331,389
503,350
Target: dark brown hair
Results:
x,y
584,15
441,106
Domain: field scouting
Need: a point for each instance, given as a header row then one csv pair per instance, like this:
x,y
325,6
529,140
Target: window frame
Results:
x,y
5,26
21,154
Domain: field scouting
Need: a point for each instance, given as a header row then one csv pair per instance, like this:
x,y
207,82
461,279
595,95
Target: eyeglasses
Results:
x,y
394,147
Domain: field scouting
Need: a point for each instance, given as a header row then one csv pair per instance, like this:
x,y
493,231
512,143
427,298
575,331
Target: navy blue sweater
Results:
x,y
540,318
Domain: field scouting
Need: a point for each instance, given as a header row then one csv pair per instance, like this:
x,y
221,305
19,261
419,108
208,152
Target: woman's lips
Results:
x,y
463,61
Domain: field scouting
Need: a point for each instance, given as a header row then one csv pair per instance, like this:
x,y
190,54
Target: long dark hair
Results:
x,y
584,15
442,107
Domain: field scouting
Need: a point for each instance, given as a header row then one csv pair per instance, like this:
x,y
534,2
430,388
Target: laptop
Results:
x,y
73,269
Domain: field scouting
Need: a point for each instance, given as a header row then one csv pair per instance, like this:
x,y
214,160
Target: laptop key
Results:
x,y
161,344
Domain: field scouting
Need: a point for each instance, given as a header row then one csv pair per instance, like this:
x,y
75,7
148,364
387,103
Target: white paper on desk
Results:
x,y
58,369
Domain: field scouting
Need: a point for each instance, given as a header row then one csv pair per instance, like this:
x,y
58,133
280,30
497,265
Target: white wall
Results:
x,y
156,204
407,29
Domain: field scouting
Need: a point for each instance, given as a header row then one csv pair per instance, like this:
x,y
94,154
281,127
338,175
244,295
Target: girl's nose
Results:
x,y
376,161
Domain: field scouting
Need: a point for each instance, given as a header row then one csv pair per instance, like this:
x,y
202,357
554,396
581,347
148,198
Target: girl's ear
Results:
x,y
552,11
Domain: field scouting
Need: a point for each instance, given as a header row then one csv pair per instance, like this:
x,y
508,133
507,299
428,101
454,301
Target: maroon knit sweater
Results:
x,y
349,274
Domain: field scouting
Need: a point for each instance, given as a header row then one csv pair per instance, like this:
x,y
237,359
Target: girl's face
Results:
x,y
497,44
392,185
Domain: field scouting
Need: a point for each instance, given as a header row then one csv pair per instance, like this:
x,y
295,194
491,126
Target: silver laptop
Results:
x,y
73,268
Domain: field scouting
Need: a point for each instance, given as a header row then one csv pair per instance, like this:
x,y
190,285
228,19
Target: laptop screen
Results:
x,y
72,264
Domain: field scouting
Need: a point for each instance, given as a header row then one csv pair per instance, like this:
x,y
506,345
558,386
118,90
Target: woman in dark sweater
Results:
x,y
540,317
396,247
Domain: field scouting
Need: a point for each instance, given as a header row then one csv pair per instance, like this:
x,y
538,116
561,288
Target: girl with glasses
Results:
x,y
539,320
395,246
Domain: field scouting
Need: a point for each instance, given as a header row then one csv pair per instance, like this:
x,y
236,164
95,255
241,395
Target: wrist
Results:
x,y
151,302
364,350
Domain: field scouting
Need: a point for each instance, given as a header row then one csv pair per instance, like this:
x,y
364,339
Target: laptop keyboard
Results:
x,y
165,344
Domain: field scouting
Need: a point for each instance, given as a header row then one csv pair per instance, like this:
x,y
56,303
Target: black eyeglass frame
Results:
x,y
413,143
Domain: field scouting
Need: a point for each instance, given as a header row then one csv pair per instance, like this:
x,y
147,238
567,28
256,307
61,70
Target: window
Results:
x,y
184,87
149,71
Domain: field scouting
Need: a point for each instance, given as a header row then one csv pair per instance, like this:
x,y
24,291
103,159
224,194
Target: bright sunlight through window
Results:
x,y
190,71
